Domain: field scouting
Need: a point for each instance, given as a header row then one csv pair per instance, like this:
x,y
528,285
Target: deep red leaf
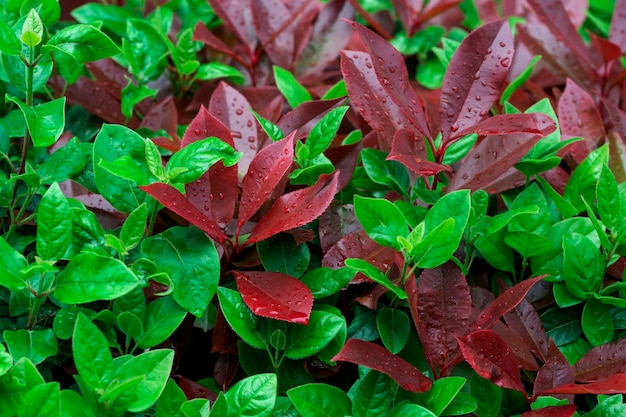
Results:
x,y
505,302
345,158
410,151
601,362
275,295
336,222
410,287
510,124
296,208
523,356
555,372
272,22
194,390
614,384
376,357
436,7
617,32
226,367
233,110
163,115
224,338
491,358
204,35
607,50
171,198
408,12
444,307
306,115
237,15
264,173
579,116
525,322
552,411
475,77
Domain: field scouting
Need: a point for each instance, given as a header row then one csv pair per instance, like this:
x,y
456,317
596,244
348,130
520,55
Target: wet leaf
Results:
x,y
601,362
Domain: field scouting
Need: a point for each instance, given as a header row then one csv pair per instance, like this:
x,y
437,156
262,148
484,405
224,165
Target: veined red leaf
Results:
x,y
376,357
436,7
552,411
408,12
204,35
555,372
237,15
607,50
272,20
306,115
296,209
194,390
410,151
233,110
264,173
171,198
602,361
524,357
614,384
525,322
336,222
505,302
475,76
410,287
275,295
444,307
491,358
510,124
215,192
617,32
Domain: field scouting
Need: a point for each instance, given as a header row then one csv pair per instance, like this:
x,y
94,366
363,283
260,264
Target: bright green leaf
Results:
x,y
320,400
85,43
37,345
293,91
54,225
253,396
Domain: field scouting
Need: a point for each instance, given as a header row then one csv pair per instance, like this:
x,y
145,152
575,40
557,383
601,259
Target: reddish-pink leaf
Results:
x,y
336,222
202,34
444,307
505,302
617,33
171,198
410,287
410,151
614,384
552,411
376,357
524,357
492,359
475,77
510,124
296,208
408,11
601,362
275,295
607,50
525,322
163,115
237,15
555,372
306,115
436,7
233,110
265,172
272,21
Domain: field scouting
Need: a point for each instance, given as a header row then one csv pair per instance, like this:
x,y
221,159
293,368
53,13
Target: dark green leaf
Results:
x,y
562,325
583,265
488,396
394,327
584,179
382,171
9,43
280,253
597,323
371,395
326,281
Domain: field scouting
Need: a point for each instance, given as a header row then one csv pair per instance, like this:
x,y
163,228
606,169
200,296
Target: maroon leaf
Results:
x,y
306,115
410,151
202,34
237,15
617,33
510,124
491,358
524,357
614,384
444,307
555,372
296,208
194,390
607,50
410,287
233,110
436,7
336,222
552,411
226,367
264,173
271,20
275,295
525,322
163,115
376,357
408,11
475,77
506,302
601,362
171,198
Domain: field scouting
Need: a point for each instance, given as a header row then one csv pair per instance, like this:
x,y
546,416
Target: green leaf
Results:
x,y
304,341
562,325
156,365
145,50
394,327
130,324
32,29
528,244
170,401
441,394
252,396
488,396
609,201
273,131
9,43
11,263
280,253
459,149
72,404
45,121
42,401
320,400
134,94
15,385
583,265
85,43
293,91
326,281
381,220
189,257
536,223
54,225
336,91
162,318
435,248
90,277
214,70
134,226
239,317
36,345
371,395
324,131
200,407
197,157
583,181
495,251
410,410
92,356
519,80
375,275
112,17
65,163
389,173
597,323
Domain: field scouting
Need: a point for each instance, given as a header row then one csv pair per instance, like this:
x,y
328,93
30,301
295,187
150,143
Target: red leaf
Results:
x,y
601,362
264,173
555,372
408,12
376,357
552,411
607,50
523,356
336,222
296,208
617,33
475,77
171,198
226,367
194,390
233,110
202,34
271,20
306,115
510,124
614,384
164,115
506,302
525,322
275,295
492,359
237,15
444,307
410,151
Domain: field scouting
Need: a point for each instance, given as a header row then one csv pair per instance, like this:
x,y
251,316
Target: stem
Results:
x,y
30,72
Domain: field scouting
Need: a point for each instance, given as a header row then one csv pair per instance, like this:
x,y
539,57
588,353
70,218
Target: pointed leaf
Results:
x,y
296,209
376,357
411,152
475,77
602,361
555,372
272,20
492,359
614,384
92,356
84,43
617,33
275,295
525,322
237,16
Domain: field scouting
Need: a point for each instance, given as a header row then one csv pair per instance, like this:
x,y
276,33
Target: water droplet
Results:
x,y
454,127
235,134
197,131
505,61
502,44
238,112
